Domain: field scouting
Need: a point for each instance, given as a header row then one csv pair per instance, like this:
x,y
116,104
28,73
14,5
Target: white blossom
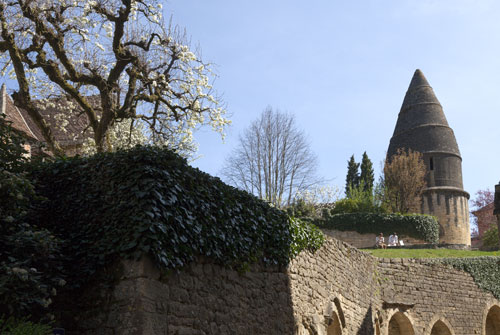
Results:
x,y
188,99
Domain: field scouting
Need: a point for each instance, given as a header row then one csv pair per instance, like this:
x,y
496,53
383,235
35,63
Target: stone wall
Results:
x,y
383,294
337,290
451,207
203,298
427,293
365,240
337,280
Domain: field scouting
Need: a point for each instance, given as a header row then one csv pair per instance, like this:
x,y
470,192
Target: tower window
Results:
x,y
431,164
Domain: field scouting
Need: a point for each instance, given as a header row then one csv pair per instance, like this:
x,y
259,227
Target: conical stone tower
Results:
x,y
422,127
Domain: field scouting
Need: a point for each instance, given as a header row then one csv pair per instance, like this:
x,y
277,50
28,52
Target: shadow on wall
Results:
x,y
202,298
399,324
367,324
336,320
492,324
440,328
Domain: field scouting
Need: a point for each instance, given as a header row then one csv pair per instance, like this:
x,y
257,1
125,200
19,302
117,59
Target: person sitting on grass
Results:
x,y
380,242
393,240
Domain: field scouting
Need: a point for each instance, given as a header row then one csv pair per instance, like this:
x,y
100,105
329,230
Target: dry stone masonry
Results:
x,y
337,290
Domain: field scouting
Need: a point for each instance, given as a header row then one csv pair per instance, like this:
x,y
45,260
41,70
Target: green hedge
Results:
x,y
148,200
422,227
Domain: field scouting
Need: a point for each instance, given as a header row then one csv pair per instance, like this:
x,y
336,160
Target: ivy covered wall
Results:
x,y
149,201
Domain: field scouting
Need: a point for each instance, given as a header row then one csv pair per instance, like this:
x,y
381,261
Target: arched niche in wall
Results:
x,y
399,324
492,322
377,328
334,317
341,316
441,328
334,326
376,323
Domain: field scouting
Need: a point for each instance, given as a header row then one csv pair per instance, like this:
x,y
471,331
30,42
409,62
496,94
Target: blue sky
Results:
x,y
343,67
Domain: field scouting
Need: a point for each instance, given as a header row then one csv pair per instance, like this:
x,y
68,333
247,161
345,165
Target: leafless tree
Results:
x,y
119,51
404,180
273,159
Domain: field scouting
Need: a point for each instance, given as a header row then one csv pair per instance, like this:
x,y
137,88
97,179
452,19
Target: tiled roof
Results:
x,y
15,115
71,129
488,208
68,131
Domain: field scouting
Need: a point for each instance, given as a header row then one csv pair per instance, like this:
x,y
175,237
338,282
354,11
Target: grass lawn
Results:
x,y
428,253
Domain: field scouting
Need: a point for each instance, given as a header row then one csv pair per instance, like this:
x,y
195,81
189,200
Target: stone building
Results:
x,y
19,122
485,220
422,127
496,210
70,131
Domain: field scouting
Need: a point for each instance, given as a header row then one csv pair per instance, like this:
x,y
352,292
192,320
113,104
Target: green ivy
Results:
x,y
148,200
485,270
304,236
424,227
12,326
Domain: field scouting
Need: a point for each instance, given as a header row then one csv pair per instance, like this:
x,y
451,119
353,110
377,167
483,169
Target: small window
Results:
x,y
431,163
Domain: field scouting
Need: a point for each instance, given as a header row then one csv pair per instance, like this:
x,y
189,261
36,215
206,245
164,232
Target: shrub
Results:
x,y
490,238
147,200
304,236
356,205
422,227
13,326
12,153
16,190
30,272
300,208
358,201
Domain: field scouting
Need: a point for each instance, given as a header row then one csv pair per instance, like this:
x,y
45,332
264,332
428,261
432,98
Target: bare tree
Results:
x,y
273,160
119,51
404,181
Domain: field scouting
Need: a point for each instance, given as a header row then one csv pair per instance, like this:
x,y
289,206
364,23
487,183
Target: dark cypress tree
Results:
x,y
352,179
367,176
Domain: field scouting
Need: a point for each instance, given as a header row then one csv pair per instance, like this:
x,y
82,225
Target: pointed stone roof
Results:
x,y
422,125
418,79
